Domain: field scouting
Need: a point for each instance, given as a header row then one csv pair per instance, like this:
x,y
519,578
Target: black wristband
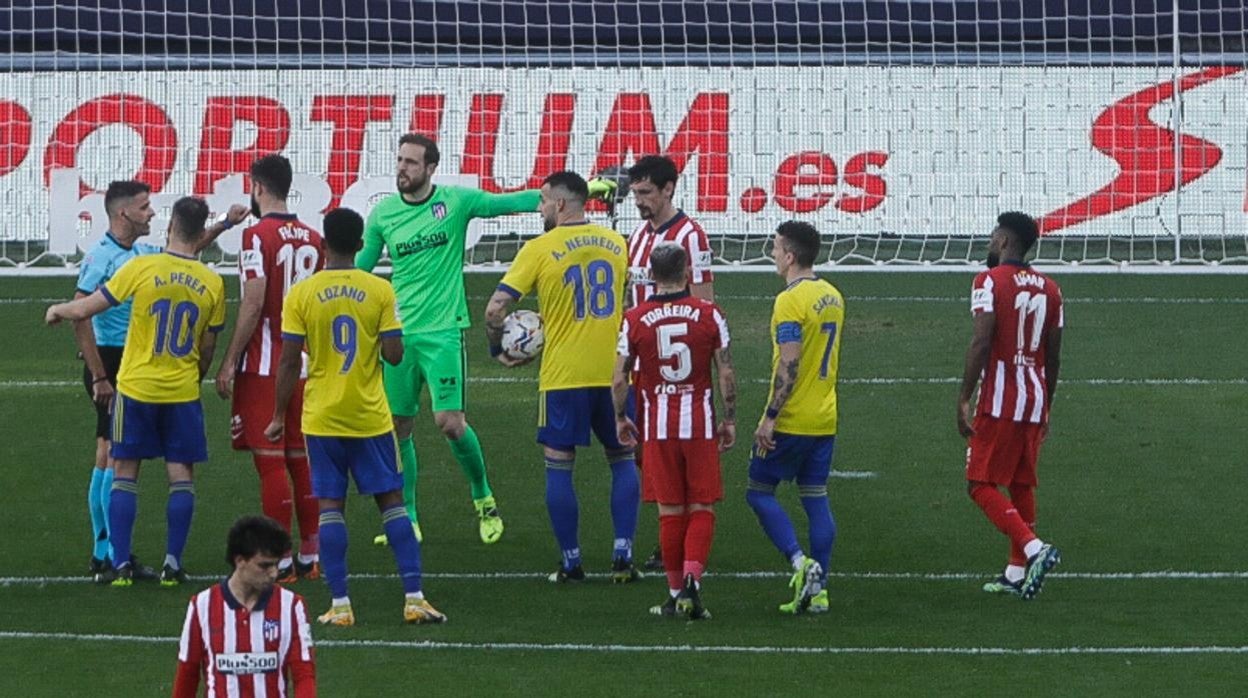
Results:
x,y
772,413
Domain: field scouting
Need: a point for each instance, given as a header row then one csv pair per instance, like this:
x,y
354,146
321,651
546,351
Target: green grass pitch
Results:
x,y
1144,472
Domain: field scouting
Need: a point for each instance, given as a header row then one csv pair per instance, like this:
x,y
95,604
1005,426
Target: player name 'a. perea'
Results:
x,y
178,278
329,293
687,312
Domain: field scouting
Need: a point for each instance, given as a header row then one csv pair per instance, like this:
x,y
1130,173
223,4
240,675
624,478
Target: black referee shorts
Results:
x,y
111,356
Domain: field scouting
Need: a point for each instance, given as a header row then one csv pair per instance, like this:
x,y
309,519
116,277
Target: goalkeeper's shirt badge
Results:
x,y
439,210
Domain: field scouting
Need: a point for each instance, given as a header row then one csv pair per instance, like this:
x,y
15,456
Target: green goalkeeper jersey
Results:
x,y
426,245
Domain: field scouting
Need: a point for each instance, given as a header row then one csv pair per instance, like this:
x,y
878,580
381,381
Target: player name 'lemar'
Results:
x,y
329,293
1025,278
180,279
687,312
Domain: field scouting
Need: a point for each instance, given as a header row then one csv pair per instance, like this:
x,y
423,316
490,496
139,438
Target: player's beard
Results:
x,y
255,206
645,212
549,222
994,258
411,187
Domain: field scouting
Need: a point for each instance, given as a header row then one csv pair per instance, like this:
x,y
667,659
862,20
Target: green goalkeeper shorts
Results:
x,y
433,358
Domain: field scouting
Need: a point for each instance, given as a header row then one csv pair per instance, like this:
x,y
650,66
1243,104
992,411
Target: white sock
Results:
x,y
308,559
341,601
1015,573
674,592
1033,547
172,562
415,596
797,561
284,563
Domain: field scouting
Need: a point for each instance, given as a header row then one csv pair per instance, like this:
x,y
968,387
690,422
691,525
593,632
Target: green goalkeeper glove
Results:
x,y
600,188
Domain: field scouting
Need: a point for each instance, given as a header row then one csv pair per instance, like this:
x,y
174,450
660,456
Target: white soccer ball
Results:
x,y
523,336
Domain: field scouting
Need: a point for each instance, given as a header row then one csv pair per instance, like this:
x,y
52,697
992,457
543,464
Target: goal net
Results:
x,y
900,129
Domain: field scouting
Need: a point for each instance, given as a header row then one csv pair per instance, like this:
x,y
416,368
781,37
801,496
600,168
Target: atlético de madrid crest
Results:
x,y
439,210
272,629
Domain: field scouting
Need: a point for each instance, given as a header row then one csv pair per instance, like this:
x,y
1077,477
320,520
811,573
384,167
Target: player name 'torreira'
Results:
x,y
687,312
329,293
181,279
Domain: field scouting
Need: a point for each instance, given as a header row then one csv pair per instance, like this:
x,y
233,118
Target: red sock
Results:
x,y
1002,513
1024,499
306,507
274,488
698,541
672,542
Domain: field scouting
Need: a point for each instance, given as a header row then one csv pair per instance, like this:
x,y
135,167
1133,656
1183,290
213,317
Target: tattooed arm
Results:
x,y
781,389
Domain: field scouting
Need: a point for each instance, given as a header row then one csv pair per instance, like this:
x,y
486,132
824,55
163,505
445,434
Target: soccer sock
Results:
x,y
307,509
178,512
274,487
562,507
411,472
822,526
99,515
1024,499
404,545
123,505
625,501
672,543
106,495
1002,514
698,536
333,529
775,522
467,450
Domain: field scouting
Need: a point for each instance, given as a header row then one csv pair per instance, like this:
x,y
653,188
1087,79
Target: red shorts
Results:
x,y
1003,452
253,409
681,471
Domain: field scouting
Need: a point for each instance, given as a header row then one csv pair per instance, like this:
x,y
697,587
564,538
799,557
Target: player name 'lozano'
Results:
x,y
329,293
687,312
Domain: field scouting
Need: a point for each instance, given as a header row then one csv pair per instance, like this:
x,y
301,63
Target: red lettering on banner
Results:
x,y
218,158
704,131
427,115
15,127
808,168
552,142
857,176
350,115
160,139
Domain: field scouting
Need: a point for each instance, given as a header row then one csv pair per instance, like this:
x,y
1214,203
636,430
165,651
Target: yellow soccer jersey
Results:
x,y
810,311
341,315
578,272
176,300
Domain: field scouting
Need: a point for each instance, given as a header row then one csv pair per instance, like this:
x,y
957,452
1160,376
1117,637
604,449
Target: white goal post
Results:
x,y
900,129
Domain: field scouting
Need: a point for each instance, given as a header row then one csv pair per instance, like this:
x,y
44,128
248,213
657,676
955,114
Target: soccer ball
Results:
x,y
523,337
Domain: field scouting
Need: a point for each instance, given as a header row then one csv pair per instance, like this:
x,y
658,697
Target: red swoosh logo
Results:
x,y
1144,151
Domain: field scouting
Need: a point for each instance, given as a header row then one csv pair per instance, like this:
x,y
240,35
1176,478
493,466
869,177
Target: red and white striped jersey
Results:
x,y
1027,305
681,229
674,338
246,654
283,251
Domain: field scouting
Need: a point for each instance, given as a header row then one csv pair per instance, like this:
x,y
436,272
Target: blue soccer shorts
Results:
x,y
170,430
806,459
371,461
566,418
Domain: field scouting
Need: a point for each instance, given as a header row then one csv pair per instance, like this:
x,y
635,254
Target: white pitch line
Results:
x,y
1157,575
882,380
670,649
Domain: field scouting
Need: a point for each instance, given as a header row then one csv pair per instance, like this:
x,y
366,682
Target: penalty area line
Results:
x,y
668,649
1157,575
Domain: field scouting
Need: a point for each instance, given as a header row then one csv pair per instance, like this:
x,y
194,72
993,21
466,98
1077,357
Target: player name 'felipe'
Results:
x,y
687,312
178,278
329,293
